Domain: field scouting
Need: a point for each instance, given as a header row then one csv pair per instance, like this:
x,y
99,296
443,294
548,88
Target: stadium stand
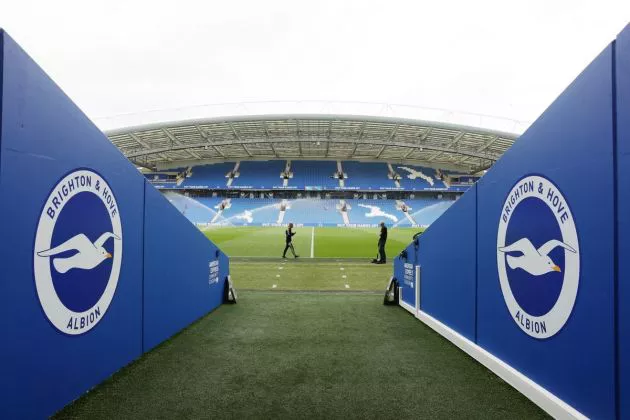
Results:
x,y
208,176
310,176
367,176
307,211
314,175
259,175
312,211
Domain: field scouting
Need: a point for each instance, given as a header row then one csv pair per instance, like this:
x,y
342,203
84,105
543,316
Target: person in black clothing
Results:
x,y
381,258
288,236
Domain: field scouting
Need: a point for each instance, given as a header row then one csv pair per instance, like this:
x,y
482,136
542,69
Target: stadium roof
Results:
x,y
314,137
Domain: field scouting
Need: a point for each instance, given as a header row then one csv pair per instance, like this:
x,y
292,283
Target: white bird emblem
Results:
x,y
534,261
247,215
376,211
413,174
88,255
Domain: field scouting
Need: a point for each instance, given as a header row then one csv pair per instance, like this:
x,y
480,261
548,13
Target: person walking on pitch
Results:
x,y
288,236
381,258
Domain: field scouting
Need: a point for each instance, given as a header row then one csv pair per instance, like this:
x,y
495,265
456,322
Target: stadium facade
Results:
x,y
313,170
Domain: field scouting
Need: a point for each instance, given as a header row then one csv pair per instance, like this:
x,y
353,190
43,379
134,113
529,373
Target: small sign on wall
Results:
x,y
409,278
214,272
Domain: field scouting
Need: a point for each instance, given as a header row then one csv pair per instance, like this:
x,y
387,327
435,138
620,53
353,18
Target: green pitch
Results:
x,y
340,257
327,242
305,356
305,274
308,338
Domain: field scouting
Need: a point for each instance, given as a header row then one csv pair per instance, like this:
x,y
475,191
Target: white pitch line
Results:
x,y
313,242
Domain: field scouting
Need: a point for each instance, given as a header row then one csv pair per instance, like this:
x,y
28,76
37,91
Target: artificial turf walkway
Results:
x,y
288,355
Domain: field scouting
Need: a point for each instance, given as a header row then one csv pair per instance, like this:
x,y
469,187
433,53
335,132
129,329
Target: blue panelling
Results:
x,y
571,144
1,83
208,176
260,175
449,266
314,174
367,176
177,286
44,136
313,212
623,210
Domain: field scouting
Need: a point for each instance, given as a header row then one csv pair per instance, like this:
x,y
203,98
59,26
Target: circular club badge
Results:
x,y
78,252
538,256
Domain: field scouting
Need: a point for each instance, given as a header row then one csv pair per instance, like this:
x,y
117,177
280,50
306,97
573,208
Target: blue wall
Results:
x,y
43,137
448,274
581,145
173,297
623,212
573,134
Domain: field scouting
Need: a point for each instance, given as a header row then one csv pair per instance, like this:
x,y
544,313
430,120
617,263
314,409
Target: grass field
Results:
x,y
304,274
329,242
309,338
305,356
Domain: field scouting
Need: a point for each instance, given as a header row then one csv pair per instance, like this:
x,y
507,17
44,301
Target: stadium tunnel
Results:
x,y
530,233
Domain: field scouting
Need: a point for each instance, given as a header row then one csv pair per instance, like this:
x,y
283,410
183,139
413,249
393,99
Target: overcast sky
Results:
x,y
503,58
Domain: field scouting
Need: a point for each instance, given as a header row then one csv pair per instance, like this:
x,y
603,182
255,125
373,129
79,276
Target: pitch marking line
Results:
x,y
313,242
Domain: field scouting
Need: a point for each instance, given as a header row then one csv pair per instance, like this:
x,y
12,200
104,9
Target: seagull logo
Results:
x,y
538,256
80,227
534,261
413,174
87,256
376,211
247,215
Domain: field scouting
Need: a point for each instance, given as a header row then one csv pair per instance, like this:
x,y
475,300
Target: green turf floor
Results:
x,y
302,356
328,241
309,274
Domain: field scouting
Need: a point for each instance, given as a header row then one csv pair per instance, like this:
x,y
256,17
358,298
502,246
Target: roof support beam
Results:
x,y
205,137
380,152
356,145
146,146
394,131
264,124
411,150
488,144
361,131
174,140
481,149
471,153
455,140
246,150
235,133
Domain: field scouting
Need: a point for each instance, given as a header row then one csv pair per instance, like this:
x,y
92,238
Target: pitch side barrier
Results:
x,y
96,267
529,271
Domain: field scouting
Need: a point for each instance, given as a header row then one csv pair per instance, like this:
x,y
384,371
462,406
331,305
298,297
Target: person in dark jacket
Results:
x,y
288,237
381,258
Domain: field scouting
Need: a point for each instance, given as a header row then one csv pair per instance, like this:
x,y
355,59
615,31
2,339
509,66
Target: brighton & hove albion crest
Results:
x,y
78,252
538,256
